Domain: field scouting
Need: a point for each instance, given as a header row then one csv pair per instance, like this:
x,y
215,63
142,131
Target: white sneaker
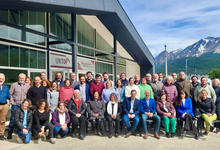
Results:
x,y
52,140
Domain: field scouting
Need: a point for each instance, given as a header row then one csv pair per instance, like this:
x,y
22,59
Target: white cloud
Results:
x,y
174,22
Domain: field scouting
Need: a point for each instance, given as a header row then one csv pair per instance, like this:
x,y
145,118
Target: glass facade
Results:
x,y
22,57
105,67
31,59
29,19
85,36
60,26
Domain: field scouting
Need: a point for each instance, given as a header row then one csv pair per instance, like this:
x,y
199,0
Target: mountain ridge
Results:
x,y
208,44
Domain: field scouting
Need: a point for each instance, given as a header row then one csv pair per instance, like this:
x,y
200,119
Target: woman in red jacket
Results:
x,y
66,92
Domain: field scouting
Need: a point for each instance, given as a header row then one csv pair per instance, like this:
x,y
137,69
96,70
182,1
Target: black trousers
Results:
x,y
81,121
47,126
218,118
98,125
111,122
189,124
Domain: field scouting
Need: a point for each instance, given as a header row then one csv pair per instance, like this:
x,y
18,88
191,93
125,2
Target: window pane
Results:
x,y
102,67
4,55
24,55
60,26
34,74
14,16
4,15
3,28
15,19
102,44
14,56
41,60
85,32
33,59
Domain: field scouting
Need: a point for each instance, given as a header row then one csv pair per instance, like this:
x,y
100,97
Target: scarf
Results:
x,y
109,108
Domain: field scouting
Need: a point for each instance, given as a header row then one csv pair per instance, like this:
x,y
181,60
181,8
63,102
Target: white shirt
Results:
x,y
132,106
129,88
62,118
83,91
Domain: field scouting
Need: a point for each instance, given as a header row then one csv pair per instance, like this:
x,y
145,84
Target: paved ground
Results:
x,y
211,142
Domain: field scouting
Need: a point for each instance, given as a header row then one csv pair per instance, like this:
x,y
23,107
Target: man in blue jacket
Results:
x,y
83,87
131,107
148,111
4,105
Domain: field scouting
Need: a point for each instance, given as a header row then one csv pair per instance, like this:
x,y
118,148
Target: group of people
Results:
x,y
60,107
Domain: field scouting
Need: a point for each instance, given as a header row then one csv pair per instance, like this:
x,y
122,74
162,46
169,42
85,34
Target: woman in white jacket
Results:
x,y
131,86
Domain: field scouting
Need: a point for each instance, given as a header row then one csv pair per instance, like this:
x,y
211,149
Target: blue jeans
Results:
x,y
25,137
12,119
128,125
58,130
156,119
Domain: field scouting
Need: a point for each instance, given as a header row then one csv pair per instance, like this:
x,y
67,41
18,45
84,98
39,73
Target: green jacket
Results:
x,y
143,88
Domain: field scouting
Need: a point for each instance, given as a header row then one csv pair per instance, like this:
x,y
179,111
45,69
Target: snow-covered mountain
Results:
x,y
209,44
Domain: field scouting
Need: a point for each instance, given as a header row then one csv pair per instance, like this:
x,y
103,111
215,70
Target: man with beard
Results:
x,y
18,93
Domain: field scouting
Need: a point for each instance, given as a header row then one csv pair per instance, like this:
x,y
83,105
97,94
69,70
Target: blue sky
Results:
x,y
178,23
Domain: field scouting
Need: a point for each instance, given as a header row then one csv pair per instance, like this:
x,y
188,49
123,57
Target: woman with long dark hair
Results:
x,y
41,121
53,96
185,112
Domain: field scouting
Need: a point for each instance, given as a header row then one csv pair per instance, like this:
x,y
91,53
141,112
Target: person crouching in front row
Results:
x,y
131,108
96,110
113,114
77,109
41,121
148,110
23,122
60,120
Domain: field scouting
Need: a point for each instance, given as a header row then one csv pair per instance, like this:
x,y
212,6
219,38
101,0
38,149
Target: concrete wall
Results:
x,y
132,68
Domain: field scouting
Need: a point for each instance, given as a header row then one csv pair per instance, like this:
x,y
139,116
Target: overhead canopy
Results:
x,y
109,12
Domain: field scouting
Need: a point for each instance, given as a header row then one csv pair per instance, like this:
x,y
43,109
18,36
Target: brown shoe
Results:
x,y
145,135
156,136
128,134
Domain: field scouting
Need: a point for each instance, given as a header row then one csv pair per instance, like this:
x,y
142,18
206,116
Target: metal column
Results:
x,y
115,57
48,46
74,47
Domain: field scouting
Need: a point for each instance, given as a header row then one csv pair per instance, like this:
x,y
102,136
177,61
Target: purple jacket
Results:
x,y
169,106
171,92
56,120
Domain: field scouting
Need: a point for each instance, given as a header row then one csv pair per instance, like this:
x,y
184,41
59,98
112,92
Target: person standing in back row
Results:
x,y
36,92
4,105
59,79
18,93
97,85
184,84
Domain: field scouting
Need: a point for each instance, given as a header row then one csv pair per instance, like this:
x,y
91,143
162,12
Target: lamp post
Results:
x,y
186,66
165,46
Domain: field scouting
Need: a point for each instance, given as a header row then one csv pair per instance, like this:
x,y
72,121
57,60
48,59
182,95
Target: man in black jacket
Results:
x,y
36,92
